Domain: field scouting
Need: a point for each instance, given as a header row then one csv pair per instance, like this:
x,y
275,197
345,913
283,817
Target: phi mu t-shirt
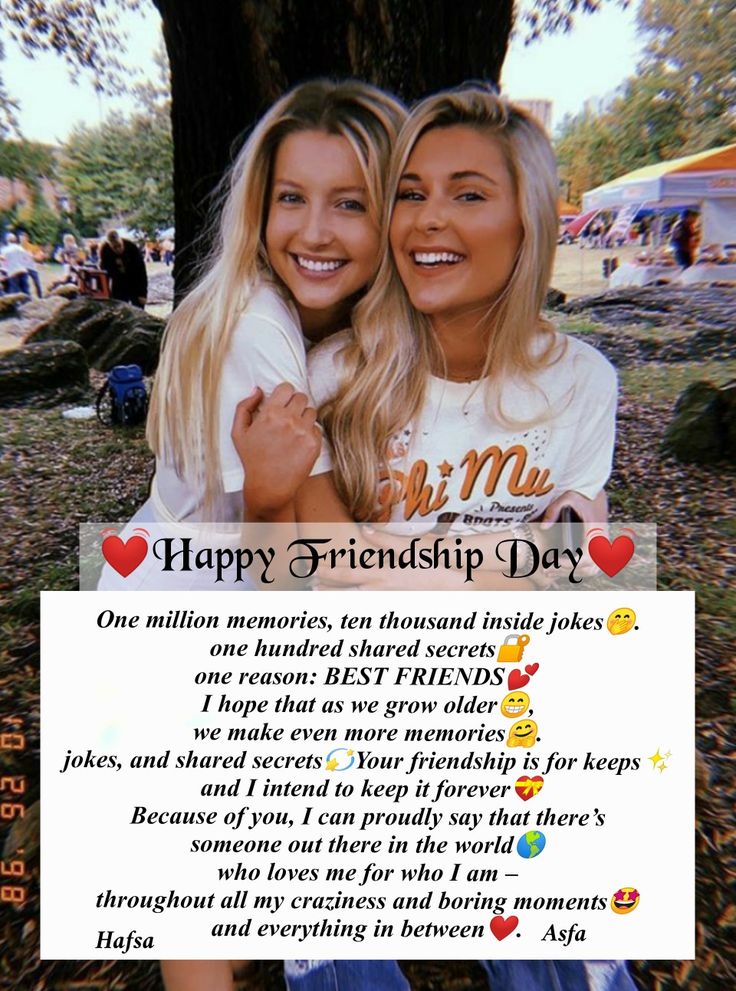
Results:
x,y
462,462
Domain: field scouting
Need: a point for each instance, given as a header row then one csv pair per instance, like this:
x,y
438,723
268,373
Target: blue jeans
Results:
x,y
557,975
503,975
344,975
19,283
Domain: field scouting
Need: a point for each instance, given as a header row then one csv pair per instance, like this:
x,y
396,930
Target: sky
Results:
x,y
589,62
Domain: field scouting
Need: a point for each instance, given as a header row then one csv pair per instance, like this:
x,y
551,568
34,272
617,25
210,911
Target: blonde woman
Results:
x,y
297,243
456,401
453,400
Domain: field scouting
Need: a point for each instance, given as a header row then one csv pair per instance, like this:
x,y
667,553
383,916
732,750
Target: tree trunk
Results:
x,y
230,59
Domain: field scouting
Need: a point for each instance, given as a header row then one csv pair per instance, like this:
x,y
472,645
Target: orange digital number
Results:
x,y
13,783
12,741
12,868
9,810
15,895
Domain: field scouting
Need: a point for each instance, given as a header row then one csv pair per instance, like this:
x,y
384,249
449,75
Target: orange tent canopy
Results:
x,y
565,209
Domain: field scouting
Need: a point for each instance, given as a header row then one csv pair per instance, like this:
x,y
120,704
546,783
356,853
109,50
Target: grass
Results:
x,y
55,474
657,383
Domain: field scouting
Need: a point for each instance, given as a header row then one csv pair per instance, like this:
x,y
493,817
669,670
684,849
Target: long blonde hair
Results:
x,y
183,421
386,364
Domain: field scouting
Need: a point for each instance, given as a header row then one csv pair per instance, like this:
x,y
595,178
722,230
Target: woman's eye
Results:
x,y
288,198
409,194
471,196
351,205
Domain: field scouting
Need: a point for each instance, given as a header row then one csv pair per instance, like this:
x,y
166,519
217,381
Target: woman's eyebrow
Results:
x,y
472,174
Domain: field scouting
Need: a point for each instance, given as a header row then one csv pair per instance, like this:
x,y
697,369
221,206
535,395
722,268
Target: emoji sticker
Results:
x,y
621,621
527,787
531,844
624,901
515,704
522,734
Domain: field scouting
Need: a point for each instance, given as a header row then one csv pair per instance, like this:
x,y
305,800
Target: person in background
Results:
x,y
93,257
123,262
167,247
684,237
33,257
16,261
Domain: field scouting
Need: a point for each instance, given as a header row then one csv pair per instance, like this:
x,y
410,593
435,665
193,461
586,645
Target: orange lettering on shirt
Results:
x,y
536,482
413,490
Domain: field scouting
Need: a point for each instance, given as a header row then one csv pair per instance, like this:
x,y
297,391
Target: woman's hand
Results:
x,y
589,510
278,442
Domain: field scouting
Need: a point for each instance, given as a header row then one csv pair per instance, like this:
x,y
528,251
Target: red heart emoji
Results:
x,y
501,928
124,557
531,669
527,787
517,680
611,557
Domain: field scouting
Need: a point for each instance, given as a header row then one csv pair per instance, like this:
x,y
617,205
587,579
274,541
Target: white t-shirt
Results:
x,y
459,462
16,258
267,347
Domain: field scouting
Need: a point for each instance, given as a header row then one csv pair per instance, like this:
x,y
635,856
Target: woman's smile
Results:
x,y
455,231
321,239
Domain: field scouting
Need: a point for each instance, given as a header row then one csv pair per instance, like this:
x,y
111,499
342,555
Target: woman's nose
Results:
x,y
431,215
316,228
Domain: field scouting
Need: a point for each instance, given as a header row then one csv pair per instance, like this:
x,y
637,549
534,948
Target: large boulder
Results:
x,y
704,427
111,333
44,374
32,316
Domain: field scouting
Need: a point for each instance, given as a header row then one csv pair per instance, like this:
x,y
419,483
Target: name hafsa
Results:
x,y
107,940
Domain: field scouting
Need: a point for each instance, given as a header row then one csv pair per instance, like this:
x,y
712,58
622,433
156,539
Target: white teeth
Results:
x,y
315,266
436,257
514,708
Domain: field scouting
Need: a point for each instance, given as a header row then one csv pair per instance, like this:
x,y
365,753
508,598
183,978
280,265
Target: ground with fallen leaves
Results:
x,y
55,474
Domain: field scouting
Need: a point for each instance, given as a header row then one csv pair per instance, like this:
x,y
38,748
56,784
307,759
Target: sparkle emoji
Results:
x,y
624,901
515,704
522,734
621,621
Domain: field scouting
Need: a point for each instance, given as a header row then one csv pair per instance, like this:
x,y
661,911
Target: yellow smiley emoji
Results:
x,y
523,734
621,621
515,704
624,900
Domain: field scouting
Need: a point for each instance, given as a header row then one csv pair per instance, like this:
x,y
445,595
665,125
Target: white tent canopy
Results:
x,y
706,180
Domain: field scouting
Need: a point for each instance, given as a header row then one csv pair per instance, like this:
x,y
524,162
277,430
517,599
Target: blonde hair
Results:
x,y
393,350
183,422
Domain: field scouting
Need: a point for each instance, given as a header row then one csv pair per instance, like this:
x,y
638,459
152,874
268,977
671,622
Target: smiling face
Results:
x,y
624,900
621,621
523,734
320,238
515,704
455,231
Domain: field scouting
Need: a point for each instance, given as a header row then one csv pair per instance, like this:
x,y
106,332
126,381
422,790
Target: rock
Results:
x,y
38,313
68,290
704,427
44,374
9,303
111,333
555,299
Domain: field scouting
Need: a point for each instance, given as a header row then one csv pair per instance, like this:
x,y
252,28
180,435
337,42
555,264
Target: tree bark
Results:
x,y
230,59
